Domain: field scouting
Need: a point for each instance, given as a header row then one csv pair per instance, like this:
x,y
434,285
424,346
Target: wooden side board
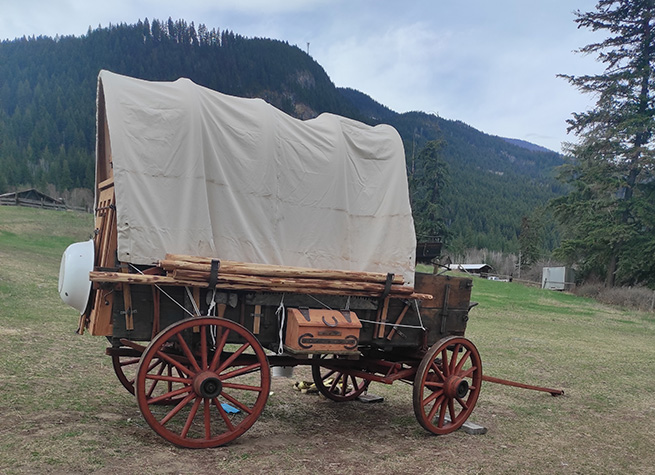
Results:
x,y
99,320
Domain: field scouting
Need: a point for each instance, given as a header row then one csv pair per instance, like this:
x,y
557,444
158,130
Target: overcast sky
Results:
x,y
489,63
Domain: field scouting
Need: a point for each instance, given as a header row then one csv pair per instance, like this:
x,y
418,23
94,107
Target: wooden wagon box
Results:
x,y
447,313
315,331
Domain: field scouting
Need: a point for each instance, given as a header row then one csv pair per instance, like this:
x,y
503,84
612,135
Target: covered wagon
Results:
x,y
231,237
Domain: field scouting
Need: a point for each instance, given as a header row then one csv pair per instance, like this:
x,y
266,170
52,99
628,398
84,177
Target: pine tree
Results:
x,y
609,212
427,178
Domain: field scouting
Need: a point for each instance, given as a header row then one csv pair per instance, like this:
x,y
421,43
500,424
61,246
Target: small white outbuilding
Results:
x,y
557,278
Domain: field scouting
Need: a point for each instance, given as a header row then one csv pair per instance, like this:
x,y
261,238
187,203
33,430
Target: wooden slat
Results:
x,y
105,246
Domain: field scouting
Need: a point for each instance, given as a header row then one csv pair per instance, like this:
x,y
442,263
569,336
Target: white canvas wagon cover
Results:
x,y
202,173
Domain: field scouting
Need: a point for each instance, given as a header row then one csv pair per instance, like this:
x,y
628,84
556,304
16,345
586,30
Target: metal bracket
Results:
x,y
213,273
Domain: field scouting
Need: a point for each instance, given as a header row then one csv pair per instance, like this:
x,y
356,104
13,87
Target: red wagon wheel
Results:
x,y
447,385
125,368
220,389
337,384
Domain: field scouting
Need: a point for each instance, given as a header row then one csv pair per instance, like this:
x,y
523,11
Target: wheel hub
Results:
x,y
207,385
456,388
462,388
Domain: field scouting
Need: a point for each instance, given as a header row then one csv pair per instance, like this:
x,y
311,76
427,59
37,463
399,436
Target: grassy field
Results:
x,y
63,411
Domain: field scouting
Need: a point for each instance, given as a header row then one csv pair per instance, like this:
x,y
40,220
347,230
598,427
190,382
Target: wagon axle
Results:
x,y
207,385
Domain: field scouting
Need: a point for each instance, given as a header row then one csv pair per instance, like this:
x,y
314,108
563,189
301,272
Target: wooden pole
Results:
x,y
202,264
252,283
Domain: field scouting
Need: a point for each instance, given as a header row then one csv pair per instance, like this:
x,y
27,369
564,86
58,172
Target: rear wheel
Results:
x,y
336,383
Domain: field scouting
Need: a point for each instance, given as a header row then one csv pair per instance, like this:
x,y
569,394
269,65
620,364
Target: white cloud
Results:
x,y
489,64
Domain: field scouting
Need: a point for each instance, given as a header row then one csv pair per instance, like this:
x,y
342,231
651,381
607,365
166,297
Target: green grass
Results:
x,y
64,411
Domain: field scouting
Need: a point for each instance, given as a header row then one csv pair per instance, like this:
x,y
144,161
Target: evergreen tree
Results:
x,y
529,242
427,178
609,212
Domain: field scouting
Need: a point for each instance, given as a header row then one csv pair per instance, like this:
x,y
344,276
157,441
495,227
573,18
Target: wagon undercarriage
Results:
x,y
197,390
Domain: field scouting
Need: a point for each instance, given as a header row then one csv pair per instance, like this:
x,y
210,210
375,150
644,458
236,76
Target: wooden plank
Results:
x,y
383,317
106,183
398,321
292,282
105,245
264,286
257,318
202,264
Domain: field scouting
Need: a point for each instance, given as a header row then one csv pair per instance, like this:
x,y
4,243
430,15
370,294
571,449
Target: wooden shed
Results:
x,y
32,198
480,269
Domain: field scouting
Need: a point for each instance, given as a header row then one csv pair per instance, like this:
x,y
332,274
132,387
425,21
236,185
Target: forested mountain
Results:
x,y
47,115
493,183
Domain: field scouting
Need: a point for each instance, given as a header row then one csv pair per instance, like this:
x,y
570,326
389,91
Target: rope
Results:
x,y
164,292
324,305
418,312
281,315
193,301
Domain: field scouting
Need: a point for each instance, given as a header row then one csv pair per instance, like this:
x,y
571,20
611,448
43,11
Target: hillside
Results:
x,y
47,109
493,181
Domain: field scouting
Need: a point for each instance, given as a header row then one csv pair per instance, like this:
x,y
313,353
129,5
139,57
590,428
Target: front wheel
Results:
x,y
447,385
220,388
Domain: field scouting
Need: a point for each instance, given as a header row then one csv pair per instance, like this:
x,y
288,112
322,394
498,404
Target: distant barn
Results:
x,y
481,269
31,198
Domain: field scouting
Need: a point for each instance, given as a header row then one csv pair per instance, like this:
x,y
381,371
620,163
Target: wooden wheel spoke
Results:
x,y
169,378
437,370
462,362
177,408
236,403
469,372
208,418
129,362
203,346
356,385
453,359
451,409
224,415
444,362
191,417
169,370
434,384
442,413
242,387
160,371
241,371
233,357
154,364
432,397
173,362
219,349
462,403
335,382
169,395
327,375
435,407
187,352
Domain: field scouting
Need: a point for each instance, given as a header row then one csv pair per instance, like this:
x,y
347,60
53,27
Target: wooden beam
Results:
x,y
254,284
